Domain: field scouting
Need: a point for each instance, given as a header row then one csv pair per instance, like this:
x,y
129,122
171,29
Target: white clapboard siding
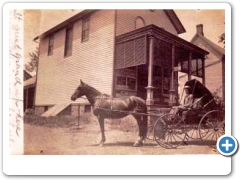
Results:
x,y
126,20
91,61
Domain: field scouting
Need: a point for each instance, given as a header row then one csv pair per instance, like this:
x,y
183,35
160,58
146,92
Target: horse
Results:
x,y
104,106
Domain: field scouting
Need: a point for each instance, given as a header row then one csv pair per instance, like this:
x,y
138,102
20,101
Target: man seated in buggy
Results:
x,y
189,102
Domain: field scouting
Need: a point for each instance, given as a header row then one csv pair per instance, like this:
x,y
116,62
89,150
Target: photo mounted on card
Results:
x,y
95,81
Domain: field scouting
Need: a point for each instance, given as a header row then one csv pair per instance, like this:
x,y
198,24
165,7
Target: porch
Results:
x,y
147,62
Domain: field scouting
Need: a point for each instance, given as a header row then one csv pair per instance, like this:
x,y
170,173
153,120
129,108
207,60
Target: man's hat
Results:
x,y
187,87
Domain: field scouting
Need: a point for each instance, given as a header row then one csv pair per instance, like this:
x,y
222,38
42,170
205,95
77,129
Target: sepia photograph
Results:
x,y
123,79
115,81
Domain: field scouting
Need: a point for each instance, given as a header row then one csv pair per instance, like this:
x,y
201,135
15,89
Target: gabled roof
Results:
x,y
175,21
65,23
217,48
30,82
26,75
170,14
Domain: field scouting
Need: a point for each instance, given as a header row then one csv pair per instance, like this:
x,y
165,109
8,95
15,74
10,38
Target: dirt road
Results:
x,y
84,140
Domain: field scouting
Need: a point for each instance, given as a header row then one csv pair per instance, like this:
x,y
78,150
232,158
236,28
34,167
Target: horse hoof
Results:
x,y
101,144
138,144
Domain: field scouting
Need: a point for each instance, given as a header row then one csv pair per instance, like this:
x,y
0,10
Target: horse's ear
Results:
x,y
82,83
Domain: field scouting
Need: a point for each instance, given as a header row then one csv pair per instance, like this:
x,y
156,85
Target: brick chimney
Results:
x,y
200,29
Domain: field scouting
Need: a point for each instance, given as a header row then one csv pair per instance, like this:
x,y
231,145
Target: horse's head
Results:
x,y
80,91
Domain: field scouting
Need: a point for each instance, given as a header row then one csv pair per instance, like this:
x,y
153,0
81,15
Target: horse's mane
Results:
x,y
92,89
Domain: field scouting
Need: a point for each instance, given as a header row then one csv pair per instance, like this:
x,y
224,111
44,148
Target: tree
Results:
x,y
32,65
222,39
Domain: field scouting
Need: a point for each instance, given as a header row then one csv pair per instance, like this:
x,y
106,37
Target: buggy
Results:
x,y
204,120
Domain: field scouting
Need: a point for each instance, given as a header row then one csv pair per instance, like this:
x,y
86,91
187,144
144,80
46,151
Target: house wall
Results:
x,y
214,78
91,61
126,20
213,70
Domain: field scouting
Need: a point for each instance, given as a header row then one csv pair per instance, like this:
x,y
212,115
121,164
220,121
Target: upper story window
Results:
x,y
50,45
85,28
68,42
139,22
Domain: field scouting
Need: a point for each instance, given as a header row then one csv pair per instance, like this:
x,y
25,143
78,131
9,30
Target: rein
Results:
x,y
132,112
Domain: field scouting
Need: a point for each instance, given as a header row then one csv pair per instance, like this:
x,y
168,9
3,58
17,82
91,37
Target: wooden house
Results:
x,y
119,52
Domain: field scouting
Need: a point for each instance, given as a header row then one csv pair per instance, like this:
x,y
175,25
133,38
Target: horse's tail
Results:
x,y
141,107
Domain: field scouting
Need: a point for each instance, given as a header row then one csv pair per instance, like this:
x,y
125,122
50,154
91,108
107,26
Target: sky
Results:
x,y
212,20
39,21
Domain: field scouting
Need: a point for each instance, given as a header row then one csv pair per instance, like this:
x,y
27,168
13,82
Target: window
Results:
x,y
121,82
68,42
126,79
85,29
139,22
131,83
126,83
50,45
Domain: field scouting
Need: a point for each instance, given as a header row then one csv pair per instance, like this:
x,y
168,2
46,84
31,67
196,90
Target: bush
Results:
x,y
219,101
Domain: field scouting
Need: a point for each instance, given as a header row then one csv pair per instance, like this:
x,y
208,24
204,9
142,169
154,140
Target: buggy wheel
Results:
x,y
193,132
212,126
150,132
169,131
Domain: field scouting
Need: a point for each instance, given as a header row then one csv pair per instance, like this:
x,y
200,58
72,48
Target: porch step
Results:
x,y
56,109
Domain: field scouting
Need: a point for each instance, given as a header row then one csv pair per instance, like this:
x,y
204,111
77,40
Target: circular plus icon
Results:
x,y
227,145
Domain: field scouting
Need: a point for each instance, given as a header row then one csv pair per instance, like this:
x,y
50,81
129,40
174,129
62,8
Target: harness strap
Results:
x,y
100,101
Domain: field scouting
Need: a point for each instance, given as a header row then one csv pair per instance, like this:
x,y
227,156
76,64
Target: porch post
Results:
x,y
189,66
203,71
172,99
150,100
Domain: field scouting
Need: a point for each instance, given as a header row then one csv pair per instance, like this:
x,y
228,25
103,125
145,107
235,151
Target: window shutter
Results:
x,y
131,53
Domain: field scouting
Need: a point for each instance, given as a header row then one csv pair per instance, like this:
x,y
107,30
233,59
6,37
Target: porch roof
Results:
x,y
184,47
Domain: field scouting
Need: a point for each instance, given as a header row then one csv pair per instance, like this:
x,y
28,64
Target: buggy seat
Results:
x,y
194,113
190,114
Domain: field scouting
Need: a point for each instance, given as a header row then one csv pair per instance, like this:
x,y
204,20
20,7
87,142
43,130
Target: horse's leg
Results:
x,y
101,123
140,140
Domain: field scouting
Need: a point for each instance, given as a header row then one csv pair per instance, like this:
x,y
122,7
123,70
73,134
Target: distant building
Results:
x,y
29,90
119,52
26,75
214,63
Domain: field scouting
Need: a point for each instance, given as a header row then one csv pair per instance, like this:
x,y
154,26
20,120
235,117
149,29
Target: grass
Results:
x,y
55,121
125,124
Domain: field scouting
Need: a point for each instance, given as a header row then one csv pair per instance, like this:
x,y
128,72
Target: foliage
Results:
x,y
222,39
32,65
219,100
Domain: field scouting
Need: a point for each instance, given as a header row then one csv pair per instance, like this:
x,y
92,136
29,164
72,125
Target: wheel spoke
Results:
x,y
210,126
172,129
209,135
